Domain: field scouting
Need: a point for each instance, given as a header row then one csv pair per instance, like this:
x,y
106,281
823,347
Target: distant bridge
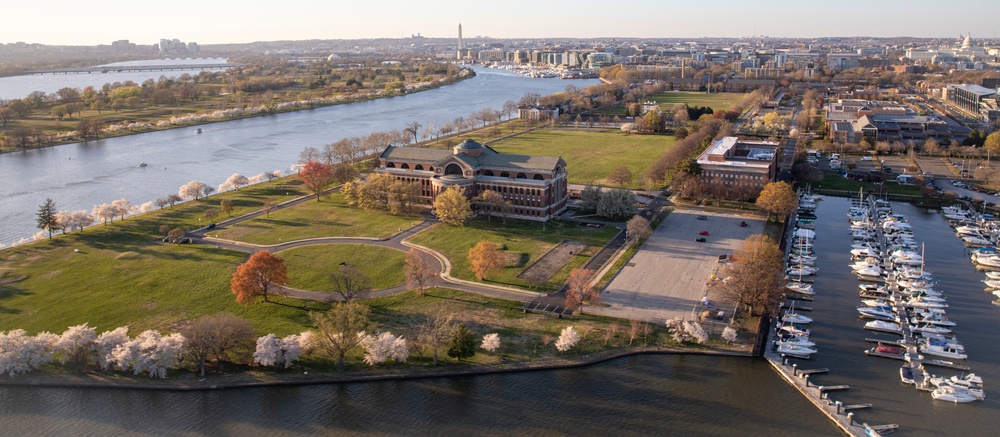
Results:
x,y
126,68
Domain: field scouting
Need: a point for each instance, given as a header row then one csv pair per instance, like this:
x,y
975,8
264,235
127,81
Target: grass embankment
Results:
x,y
834,181
525,243
591,156
122,274
667,100
310,267
330,217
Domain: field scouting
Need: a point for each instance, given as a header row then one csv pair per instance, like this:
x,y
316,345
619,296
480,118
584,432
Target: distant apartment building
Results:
x,y
732,162
537,113
534,186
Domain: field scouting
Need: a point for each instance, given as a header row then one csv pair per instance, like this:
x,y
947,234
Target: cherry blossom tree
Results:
x,y
193,190
491,342
382,347
149,353
274,351
234,182
729,334
74,220
106,344
77,345
568,338
696,332
21,353
103,212
121,207
146,207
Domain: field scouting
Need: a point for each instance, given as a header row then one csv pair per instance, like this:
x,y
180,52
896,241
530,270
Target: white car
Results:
x,y
866,158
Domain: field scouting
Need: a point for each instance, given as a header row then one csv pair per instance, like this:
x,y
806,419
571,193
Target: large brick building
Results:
x,y
535,186
732,162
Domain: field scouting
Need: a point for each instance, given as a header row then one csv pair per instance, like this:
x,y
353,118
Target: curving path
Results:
x,y
397,242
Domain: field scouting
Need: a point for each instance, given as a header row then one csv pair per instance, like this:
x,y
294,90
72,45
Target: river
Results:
x,y
655,395
81,175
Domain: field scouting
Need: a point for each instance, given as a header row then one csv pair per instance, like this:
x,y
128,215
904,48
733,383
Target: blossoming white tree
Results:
x,y
491,342
146,207
77,345
122,207
696,332
149,353
382,347
21,353
568,338
234,182
729,334
273,351
106,344
194,190
103,212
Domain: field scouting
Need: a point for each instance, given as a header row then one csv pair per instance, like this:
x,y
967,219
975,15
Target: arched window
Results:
x,y
488,173
453,169
405,166
521,176
418,167
505,175
538,177
391,165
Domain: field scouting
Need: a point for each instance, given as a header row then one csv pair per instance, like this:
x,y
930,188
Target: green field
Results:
x,y
667,100
591,156
310,267
331,217
525,242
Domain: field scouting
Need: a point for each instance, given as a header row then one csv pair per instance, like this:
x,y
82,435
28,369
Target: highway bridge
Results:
x,y
126,68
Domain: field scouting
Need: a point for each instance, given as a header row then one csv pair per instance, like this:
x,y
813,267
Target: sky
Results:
x,y
74,22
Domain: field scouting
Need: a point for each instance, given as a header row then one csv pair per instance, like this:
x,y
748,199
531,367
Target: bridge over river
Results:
x,y
125,68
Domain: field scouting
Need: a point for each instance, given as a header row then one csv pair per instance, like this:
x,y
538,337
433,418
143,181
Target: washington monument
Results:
x,y
459,40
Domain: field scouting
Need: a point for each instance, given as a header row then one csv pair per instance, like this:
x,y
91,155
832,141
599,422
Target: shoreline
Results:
x,y
373,97
91,380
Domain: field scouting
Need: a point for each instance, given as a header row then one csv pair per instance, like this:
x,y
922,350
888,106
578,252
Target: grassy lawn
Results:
x,y
525,243
121,274
834,181
716,101
331,217
310,267
591,156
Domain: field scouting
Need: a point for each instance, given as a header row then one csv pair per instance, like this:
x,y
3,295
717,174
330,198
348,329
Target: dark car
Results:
x,y
887,169
701,217
185,240
700,239
743,224
211,226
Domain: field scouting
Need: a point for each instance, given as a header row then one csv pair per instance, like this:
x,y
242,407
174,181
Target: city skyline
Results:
x,y
79,23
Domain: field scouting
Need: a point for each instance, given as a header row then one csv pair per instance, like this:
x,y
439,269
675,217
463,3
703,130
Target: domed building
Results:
x,y
535,186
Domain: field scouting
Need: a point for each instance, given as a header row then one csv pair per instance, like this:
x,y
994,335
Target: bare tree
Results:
x,y
339,328
419,273
436,331
350,282
412,129
219,335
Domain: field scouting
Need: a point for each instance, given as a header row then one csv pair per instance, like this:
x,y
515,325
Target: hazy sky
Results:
x,y
74,22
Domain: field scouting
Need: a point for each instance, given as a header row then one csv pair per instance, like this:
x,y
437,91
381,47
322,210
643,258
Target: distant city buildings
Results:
x,y
178,47
851,120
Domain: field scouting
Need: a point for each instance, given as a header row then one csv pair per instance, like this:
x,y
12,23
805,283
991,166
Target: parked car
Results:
x,y
703,233
700,239
185,240
701,217
211,226
743,224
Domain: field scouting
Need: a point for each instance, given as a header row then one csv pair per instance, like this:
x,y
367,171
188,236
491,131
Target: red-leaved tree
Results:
x,y
316,176
260,274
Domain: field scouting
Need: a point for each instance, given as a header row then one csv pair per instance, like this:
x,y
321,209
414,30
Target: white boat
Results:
x,y
796,340
792,317
992,283
993,275
870,272
950,393
800,287
929,328
883,326
949,350
918,302
936,321
906,374
794,330
972,241
794,350
882,312
801,271
971,383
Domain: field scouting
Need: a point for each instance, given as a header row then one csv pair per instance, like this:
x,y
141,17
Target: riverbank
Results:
x,y
156,125
256,379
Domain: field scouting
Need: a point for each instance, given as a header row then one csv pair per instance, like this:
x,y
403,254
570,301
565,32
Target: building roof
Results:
x,y
976,89
415,154
489,158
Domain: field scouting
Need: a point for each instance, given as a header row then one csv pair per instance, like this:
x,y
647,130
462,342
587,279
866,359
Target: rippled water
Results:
x,y
646,395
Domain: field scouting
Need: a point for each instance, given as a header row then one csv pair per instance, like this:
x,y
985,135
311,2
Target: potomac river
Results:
x,y
81,175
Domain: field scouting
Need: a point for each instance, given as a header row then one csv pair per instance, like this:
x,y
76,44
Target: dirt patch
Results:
x,y
552,261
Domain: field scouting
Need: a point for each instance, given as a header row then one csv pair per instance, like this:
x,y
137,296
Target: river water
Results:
x,y
17,87
659,395
81,175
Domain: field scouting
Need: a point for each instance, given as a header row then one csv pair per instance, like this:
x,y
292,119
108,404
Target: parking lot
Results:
x,y
670,275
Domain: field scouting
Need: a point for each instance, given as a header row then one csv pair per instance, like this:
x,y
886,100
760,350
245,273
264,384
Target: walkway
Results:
x,y
397,242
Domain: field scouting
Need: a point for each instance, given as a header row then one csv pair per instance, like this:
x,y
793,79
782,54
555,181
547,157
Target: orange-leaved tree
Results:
x,y
256,277
316,176
486,259
579,288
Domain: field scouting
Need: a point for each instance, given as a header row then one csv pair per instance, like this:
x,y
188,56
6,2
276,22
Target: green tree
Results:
x,y
992,142
227,206
462,344
47,217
